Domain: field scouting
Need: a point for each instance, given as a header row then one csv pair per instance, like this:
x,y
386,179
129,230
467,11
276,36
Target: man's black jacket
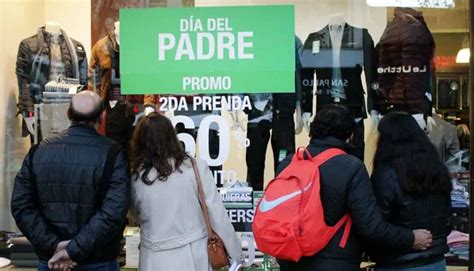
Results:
x,y
59,197
345,188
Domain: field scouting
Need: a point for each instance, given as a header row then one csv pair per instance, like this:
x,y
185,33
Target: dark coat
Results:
x,y
345,188
432,212
63,196
406,43
357,55
33,66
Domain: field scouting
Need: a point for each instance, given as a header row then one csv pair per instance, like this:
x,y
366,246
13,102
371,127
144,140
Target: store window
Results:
x,y
372,57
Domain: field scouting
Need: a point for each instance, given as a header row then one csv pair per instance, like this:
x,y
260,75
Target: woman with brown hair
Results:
x,y
165,202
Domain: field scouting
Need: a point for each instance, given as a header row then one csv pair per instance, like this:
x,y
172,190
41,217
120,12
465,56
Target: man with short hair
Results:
x,y
71,196
345,188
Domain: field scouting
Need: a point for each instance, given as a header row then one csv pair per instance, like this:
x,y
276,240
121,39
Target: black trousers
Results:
x,y
282,140
358,140
119,123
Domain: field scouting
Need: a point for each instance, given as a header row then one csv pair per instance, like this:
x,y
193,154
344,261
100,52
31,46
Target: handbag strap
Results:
x,y
202,199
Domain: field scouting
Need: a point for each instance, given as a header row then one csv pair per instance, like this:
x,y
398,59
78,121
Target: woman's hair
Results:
x,y
155,145
405,147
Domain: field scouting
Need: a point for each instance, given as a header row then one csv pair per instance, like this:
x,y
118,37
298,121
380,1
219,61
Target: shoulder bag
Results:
x,y
216,250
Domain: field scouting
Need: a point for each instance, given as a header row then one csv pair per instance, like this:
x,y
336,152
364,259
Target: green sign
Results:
x,y
207,50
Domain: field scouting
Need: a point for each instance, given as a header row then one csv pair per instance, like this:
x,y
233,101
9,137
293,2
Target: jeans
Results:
x,y
104,266
439,266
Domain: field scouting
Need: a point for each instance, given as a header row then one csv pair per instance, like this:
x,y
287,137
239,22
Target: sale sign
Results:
x,y
207,50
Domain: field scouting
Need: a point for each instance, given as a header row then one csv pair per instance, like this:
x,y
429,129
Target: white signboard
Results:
x,y
412,3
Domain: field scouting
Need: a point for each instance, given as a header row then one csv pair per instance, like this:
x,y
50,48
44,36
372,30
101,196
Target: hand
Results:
x,y
62,246
307,121
237,124
137,118
375,118
423,239
61,260
298,121
235,266
30,121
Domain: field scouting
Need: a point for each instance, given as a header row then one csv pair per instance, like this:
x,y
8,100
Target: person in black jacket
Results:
x,y
71,195
345,188
413,188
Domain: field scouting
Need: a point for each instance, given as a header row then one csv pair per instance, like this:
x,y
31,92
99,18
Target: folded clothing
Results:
x,y
20,241
24,256
458,243
458,237
56,95
25,263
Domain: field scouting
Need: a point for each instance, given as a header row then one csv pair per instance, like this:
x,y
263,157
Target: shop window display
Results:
x,y
369,56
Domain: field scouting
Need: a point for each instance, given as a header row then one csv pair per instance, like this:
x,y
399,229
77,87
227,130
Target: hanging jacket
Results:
x,y
445,138
33,66
405,54
279,105
104,73
357,54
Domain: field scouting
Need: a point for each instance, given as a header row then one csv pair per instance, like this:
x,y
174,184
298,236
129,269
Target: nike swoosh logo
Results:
x,y
266,205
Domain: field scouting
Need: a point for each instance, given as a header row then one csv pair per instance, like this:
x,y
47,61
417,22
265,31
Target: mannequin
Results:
x,y
50,50
117,32
271,118
337,60
408,90
122,111
54,29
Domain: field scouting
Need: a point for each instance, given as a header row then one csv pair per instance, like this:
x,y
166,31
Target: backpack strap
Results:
x,y
326,155
347,220
112,153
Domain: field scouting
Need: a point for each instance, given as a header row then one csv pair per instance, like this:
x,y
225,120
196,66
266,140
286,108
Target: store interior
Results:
x,y
449,27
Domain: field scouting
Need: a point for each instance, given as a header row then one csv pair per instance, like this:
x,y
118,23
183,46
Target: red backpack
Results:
x,y
289,219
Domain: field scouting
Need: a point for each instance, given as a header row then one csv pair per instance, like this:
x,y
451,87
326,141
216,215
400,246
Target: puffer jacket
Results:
x,y
405,54
33,66
432,212
345,188
63,196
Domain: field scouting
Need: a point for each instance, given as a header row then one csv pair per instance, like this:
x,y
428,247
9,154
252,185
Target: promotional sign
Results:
x,y
207,50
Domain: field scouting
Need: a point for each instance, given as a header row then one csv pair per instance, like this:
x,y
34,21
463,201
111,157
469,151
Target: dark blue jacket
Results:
x,y
63,196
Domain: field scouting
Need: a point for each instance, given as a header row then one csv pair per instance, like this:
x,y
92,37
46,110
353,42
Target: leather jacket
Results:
x,y
33,66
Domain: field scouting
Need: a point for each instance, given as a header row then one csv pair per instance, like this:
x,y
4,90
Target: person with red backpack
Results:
x,y
319,212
